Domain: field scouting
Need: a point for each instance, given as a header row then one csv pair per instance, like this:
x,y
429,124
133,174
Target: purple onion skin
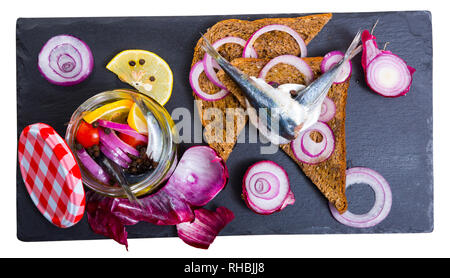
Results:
x,y
204,229
174,203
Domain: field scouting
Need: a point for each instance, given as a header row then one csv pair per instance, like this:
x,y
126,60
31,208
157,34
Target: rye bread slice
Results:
x,y
268,45
328,176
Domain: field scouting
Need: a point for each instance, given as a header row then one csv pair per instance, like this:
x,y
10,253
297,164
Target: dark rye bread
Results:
x,y
268,45
328,176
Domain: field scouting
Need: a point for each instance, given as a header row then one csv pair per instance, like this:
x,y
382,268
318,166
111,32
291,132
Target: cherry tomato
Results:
x,y
130,140
87,135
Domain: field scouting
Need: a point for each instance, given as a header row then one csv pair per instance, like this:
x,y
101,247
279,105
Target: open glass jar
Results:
x,y
168,135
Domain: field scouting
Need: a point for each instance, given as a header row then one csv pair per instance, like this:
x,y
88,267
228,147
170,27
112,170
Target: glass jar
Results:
x,y
169,134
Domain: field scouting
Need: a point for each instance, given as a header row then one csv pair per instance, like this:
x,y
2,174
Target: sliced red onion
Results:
x,y
209,64
386,73
122,145
331,59
328,110
249,51
108,141
113,141
292,60
196,70
93,167
266,188
114,156
206,226
389,76
123,128
65,60
383,199
307,150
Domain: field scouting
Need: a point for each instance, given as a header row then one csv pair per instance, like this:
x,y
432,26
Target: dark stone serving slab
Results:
x,y
391,136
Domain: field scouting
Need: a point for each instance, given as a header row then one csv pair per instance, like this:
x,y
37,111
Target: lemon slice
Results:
x,y
145,71
136,120
109,111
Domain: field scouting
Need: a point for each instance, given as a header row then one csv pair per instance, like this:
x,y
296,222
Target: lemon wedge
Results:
x,y
145,71
109,111
136,120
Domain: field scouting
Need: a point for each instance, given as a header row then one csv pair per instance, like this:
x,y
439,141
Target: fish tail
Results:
x,y
207,46
353,49
235,74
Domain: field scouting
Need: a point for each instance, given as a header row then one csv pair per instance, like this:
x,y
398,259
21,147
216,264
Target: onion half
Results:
x,y
194,75
386,73
65,60
249,51
332,58
310,152
292,60
266,188
383,199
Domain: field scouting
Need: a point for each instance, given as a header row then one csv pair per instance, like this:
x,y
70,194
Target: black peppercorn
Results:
x,y
274,84
132,63
78,146
152,78
141,62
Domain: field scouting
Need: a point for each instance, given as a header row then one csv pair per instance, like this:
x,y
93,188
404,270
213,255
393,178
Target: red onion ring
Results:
x,y
310,152
383,199
328,110
292,60
196,70
65,60
331,59
266,188
209,64
249,51
123,128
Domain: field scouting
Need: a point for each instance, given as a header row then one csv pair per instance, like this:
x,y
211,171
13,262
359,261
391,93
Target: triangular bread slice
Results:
x,y
268,45
328,176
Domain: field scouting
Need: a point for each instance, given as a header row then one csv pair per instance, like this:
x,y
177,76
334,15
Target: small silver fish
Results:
x,y
155,144
276,114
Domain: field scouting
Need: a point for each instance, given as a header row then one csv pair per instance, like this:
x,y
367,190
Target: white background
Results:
x,y
435,244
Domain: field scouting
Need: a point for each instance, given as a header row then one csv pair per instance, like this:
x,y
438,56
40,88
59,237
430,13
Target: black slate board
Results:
x,y
391,136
